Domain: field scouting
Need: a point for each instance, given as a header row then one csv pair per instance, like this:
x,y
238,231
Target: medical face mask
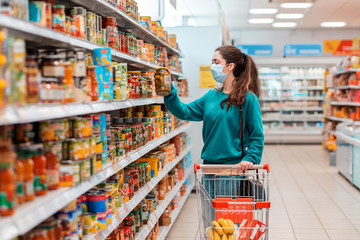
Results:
x,y
217,73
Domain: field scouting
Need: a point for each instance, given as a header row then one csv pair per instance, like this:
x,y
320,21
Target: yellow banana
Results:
x,y
217,236
218,228
231,228
210,234
224,237
223,223
231,237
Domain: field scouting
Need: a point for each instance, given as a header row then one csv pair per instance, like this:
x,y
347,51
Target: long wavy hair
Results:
x,y
246,76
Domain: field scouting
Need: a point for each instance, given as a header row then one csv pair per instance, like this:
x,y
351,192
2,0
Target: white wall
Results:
x,y
281,37
197,45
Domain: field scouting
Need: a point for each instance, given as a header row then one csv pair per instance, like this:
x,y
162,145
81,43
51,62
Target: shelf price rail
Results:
x,y
35,33
31,214
145,230
139,196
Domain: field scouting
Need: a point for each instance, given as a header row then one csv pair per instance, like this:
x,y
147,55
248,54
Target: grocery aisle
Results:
x,y
310,200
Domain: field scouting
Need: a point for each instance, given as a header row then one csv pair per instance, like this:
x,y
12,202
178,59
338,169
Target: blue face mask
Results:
x,y
217,73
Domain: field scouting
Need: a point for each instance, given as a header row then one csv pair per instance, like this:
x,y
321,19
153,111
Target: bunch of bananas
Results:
x,y
222,230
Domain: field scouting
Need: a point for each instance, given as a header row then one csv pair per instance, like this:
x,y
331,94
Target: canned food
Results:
x,y
76,172
83,203
82,127
85,171
97,201
53,130
102,222
89,222
87,148
76,150
66,172
98,162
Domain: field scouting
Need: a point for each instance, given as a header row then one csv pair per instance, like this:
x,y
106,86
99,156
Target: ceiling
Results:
x,y
204,12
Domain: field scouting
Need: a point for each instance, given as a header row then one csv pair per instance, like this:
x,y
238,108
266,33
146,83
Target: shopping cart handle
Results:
x,y
227,166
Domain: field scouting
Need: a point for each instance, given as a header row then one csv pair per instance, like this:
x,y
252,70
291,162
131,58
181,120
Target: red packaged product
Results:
x,y
251,229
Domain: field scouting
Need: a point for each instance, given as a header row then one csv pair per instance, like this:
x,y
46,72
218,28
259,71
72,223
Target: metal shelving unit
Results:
x,y
49,37
139,196
145,230
284,94
29,215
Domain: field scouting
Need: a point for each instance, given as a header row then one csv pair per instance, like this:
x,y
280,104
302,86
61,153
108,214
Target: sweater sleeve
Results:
x,y
193,111
256,133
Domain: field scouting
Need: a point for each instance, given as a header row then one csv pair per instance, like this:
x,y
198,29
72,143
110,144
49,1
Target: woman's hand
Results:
x,y
244,165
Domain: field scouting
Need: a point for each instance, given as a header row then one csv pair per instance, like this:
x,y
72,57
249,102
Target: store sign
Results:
x,y
342,47
302,50
257,50
206,78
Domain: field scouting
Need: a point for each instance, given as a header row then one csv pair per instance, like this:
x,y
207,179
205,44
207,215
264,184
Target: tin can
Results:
x,y
98,165
76,150
85,170
87,148
83,203
101,220
97,201
89,222
82,127
93,165
76,172
66,172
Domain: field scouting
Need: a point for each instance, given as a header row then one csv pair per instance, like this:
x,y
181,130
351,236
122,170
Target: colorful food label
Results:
x,y
6,200
40,183
20,189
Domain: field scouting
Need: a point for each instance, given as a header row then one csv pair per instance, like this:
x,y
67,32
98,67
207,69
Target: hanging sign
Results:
x,y
257,50
342,47
206,79
302,50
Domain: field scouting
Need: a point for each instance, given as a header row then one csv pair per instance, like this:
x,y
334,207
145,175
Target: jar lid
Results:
x,y
58,6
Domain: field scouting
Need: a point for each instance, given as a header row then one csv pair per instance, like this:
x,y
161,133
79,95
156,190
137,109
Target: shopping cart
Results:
x,y
224,193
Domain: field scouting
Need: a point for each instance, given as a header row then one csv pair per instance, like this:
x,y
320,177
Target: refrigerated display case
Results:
x,y
291,102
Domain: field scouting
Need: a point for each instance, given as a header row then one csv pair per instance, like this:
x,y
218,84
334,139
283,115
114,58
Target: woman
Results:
x,y
219,110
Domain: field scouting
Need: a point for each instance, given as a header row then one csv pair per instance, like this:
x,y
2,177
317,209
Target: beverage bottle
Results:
x,y
20,198
52,169
28,163
69,83
40,183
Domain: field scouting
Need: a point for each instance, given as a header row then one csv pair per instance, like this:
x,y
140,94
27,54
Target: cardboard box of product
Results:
x,y
106,91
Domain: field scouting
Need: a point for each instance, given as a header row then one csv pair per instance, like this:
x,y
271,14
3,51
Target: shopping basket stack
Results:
x,y
233,204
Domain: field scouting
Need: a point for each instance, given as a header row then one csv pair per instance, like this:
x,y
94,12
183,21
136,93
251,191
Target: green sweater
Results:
x,y
221,128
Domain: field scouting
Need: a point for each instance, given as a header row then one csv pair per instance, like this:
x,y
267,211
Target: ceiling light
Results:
x,y
296,5
284,24
333,24
290,16
263,11
261,20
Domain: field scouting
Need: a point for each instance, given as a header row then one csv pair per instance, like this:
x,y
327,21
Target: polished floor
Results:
x,y
310,200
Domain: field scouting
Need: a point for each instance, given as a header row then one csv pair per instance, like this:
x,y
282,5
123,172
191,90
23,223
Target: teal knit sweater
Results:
x,y
221,128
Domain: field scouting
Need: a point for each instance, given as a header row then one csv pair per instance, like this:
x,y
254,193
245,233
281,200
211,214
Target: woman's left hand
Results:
x,y
244,165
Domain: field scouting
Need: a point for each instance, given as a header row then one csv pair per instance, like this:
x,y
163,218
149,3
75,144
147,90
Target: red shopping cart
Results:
x,y
233,203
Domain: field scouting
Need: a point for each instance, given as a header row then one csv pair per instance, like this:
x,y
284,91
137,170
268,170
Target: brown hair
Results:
x,y
254,86
245,70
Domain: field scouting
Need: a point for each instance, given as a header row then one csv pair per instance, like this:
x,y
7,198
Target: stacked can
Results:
x,y
121,89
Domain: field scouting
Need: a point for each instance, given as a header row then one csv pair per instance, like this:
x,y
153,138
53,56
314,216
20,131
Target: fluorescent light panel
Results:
x,y
261,20
296,5
289,16
333,24
284,24
263,11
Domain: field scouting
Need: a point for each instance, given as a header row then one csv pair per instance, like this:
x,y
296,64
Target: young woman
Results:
x,y
219,111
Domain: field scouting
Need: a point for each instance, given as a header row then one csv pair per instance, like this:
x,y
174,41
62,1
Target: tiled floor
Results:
x,y
310,200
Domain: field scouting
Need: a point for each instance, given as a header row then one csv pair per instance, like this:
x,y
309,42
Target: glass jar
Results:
x,y
162,81
58,17
110,25
32,80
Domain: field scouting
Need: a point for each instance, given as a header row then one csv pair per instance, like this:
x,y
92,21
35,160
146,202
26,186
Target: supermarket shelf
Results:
x,y
294,135
139,196
29,215
302,88
347,87
315,88
302,109
57,39
163,231
294,98
267,109
338,119
351,70
330,131
102,7
270,99
269,119
354,104
41,112
145,230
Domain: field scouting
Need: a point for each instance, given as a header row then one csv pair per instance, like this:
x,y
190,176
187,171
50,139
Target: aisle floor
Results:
x,y
310,199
